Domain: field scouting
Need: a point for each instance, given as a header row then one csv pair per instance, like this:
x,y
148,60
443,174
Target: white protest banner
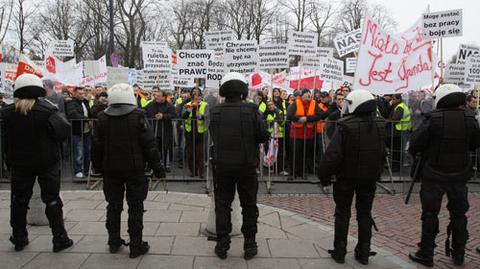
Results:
x,y
443,24
132,76
272,56
160,78
214,73
61,48
350,65
454,73
472,70
95,72
215,40
331,70
302,43
156,56
193,63
65,73
466,51
325,51
348,42
182,81
11,71
390,64
117,75
2,76
240,56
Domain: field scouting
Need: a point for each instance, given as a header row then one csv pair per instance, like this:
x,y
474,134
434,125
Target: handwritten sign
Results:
x,y
272,56
61,48
350,65
331,70
302,43
348,42
472,70
454,73
214,73
389,64
215,40
443,24
192,63
240,56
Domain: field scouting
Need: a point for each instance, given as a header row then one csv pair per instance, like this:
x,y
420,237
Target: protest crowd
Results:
x,y
308,122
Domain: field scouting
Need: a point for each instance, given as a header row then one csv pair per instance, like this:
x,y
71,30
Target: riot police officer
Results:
x,y
32,132
445,139
123,143
237,129
356,156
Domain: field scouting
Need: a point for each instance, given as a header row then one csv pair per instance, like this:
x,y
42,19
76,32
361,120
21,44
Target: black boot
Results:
x,y
61,242
19,241
223,245
115,244
138,248
339,252
362,254
250,248
421,257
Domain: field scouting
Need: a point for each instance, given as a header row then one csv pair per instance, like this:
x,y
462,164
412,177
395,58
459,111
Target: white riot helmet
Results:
x,y
359,101
29,86
121,93
448,95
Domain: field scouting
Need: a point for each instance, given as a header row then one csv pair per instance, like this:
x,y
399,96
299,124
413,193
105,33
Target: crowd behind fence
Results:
x,y
283,159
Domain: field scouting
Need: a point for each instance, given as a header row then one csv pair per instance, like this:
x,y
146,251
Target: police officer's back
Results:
x,y
356,155
445,139
237,129
123,144
32,131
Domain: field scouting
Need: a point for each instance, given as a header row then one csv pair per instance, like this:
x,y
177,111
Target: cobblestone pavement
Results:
x,y
173,226
398,224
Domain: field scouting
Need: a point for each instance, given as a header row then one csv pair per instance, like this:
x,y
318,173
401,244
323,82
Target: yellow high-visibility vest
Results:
x,y
405,123
201,128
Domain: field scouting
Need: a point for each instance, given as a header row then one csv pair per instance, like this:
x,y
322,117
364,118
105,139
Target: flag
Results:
x,y
26,66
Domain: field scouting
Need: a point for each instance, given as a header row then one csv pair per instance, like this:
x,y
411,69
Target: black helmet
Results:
x,y
233,84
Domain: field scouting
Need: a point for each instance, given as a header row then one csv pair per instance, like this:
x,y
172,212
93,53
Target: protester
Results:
x,y
32,131
78,111
123,143
275,121
67,96
162,113
100,105
237,129
181,101
385,106
444,140
195,114
334,113
53,97
400,129
261,101
303,115
320,127
356,156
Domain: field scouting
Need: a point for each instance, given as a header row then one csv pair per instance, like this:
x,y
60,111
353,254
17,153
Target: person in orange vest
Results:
x,y
303,115
320,127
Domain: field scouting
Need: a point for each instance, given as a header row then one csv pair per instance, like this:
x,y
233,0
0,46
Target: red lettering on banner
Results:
x,y
384,44
405,72
377,75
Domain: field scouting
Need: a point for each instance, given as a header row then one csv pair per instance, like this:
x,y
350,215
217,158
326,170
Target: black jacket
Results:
x,y
75,114
162,128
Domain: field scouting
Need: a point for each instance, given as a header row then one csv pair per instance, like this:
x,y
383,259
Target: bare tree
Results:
x,y
300,9
350,15
263,15
383,17
6,11
320,17
22,22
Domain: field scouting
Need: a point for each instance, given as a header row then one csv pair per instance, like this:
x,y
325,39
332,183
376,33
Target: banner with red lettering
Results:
x,y
25,65
393,63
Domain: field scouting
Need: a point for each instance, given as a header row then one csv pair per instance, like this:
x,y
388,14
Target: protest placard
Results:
x,y
240,56
192,63
61,48
117,75
272,56
472,70
132,76
302,43
454,73
95,72
183,82
214,73
331,69
350,65
325,51
466,51
156,56
2,76
390,64
443,24
347,43
160,78
215,40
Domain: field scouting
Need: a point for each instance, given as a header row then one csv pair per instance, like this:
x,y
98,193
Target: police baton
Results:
x,y
414,177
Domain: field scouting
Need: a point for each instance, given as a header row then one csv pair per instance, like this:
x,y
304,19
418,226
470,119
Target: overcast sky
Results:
x,y
406,12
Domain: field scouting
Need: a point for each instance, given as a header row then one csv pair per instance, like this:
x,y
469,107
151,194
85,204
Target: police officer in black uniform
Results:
x,y
445,139
237,129
356,156
123,143
32,132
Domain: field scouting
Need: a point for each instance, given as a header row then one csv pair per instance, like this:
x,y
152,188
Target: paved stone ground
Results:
x,y
173,226
398,224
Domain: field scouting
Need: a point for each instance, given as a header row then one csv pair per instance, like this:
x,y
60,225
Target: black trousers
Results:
x,y
431,195
343,192
302,156
136,188
165,147
21,192
246,183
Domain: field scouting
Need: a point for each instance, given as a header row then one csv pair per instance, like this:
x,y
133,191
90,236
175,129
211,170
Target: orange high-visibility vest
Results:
x,y
321,123
301,113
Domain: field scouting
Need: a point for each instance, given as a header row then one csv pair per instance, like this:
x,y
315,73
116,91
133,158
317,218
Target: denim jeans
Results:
x,y
81,152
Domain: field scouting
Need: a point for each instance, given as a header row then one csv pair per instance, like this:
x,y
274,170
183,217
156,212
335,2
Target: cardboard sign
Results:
x,y
350,65
214,73
391,64
156,56
215,40
160,78
472,70
347,43
272,56
240,56
331,70
183,82
192,63
454,73
443,24
61,48
117,75
132,76
95,72
325,51
302,43
466,51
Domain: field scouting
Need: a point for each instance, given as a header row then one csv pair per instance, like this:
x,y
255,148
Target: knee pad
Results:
x,y
55,203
